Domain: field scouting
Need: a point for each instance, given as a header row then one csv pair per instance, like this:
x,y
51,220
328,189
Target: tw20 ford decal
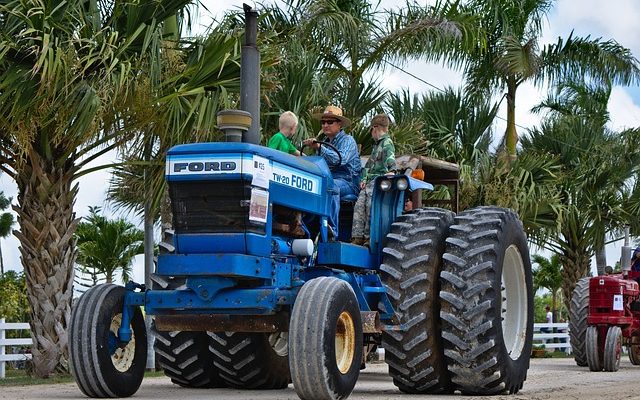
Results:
x,y
277,173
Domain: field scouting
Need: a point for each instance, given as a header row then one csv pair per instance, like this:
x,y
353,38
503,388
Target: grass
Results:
x,y
19,377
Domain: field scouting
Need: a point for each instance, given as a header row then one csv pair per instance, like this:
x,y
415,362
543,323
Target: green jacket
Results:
x,y
280,142
382,159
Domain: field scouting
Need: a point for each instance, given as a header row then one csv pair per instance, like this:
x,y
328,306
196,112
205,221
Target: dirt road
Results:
x,y
547,379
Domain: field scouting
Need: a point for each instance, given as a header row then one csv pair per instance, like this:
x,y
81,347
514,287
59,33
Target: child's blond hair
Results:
x,y
287,119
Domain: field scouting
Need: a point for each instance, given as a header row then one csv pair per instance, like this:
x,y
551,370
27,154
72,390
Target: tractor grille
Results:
x,y
212,207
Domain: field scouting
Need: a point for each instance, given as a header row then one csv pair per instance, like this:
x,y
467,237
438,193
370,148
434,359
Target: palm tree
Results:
x,y
589,102
548,275
6,224
512,55
593,183
107,246
69,76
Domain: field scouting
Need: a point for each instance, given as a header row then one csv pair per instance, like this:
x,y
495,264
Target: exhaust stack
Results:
x,y
625,265
250,75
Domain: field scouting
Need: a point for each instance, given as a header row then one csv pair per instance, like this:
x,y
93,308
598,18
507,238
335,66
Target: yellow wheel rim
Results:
x,y
123,357
345,342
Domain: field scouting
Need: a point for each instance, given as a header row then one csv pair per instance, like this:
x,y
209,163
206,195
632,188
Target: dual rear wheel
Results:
x,y
476,337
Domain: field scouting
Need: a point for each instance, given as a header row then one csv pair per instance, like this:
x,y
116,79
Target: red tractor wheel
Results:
x,y
593,350
612,349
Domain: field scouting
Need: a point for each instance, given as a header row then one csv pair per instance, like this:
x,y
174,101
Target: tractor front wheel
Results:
x,y
325,340
592,347
612,349
101,364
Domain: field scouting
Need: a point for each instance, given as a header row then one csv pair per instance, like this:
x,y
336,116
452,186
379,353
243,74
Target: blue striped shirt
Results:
x,y
350,167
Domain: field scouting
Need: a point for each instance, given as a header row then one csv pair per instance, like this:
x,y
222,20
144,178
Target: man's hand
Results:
x,y
314,144
362,185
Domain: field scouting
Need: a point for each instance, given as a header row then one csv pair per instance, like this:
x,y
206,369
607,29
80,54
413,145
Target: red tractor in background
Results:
x,y
604,316
613,321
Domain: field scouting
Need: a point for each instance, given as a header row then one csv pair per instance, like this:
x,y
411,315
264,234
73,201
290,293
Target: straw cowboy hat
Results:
x,y
333,112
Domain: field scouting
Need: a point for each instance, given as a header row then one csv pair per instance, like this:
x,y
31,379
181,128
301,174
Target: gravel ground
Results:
x,y
549,378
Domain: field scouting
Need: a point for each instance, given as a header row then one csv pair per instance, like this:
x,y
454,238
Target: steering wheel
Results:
x,y
332,147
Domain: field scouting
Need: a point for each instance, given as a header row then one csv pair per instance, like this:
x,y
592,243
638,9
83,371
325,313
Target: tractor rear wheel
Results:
x,y
612,349
183,355
251,360
101,365
578,313
410,270
634,349
186,359
486,302
326,340
592,347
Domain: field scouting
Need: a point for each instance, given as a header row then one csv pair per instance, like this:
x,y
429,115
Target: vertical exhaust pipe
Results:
x,y
250,75
625,257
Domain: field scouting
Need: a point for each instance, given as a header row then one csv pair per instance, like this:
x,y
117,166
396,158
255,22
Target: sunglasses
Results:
x,y
333,121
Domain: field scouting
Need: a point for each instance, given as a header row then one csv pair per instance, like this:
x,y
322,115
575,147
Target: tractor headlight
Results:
x,y
385,185
402,184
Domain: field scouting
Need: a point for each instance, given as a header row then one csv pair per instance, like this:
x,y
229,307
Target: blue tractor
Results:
x,y
238,304
239,300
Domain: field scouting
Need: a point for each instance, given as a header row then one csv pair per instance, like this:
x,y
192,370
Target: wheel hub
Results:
x,y
279,342
121,356
514,302
345,342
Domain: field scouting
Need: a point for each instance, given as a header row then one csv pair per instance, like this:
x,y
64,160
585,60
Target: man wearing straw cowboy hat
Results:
x,y
344,168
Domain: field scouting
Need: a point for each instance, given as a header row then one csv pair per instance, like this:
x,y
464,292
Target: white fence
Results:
x,y
6,326
544,334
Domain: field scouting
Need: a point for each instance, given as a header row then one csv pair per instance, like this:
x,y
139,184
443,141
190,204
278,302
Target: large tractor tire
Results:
x,y
612,349
410,270
593,349
186,359
251,360
184,356
578,313
486,301
325,340
101,366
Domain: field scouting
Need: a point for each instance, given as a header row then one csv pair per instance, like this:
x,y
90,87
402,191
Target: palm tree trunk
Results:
x,y
511,134
601,260
47,249
576,265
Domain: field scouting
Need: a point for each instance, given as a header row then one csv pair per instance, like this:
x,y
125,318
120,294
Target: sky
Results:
x,y
613,19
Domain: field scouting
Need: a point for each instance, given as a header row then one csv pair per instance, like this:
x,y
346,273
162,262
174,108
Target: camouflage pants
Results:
x,y
362,212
